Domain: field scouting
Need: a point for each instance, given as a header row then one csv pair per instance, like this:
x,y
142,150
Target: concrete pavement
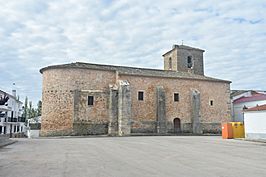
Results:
x,y
4,141
133,156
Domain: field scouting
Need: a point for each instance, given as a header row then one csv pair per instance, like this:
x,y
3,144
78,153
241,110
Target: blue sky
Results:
x,y
37,33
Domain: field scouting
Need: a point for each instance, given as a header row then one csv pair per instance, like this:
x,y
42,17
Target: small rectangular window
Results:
x,y
90,100
176,97
141,96
211,102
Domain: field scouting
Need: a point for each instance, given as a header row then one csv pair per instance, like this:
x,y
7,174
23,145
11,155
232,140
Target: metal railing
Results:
x,y
21,119
10,119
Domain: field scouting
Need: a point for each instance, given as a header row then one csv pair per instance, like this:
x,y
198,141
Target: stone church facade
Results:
x,y
83,98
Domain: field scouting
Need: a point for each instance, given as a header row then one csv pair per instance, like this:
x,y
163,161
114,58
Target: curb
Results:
x,y
251,140
6,143
257,141
131,135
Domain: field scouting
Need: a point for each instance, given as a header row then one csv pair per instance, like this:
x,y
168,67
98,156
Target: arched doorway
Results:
x,y
177,125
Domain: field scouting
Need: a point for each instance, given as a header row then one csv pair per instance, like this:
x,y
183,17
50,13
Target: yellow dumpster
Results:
x,y
238,129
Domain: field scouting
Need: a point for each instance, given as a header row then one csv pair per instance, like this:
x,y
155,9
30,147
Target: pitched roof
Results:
x,y
135,71
257,108
254,97
183,47
235,93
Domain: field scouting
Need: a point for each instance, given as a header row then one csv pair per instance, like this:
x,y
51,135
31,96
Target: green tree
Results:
x,y
25,111
39,108
31,110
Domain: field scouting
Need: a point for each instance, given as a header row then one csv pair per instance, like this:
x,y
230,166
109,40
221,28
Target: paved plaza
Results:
x,y
147,156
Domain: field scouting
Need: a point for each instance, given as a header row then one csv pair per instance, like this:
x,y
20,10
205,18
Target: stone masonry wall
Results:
x,y
91,119
66,112
57,112
197,57
144,112
59,86
179,60
173,56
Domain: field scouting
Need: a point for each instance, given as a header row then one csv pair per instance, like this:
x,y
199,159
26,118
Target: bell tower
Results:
x,y
184,59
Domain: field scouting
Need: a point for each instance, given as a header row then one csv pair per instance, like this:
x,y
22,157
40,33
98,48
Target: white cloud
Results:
x,y
36,33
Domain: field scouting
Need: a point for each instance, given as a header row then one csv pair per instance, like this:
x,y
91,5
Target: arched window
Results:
x,y
189,62
170,63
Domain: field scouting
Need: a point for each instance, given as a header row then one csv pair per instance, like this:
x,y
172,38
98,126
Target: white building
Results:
x,y
255,122
242,100
12,123
34,126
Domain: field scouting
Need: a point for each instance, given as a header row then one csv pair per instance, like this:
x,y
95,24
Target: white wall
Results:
x,y
255,124
15,106
238,109
33,133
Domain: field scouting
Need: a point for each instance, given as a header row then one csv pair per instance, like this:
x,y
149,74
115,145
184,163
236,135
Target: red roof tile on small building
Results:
x,y
255,97
257,108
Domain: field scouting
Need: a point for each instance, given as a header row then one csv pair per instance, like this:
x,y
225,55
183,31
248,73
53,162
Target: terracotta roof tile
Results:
x,y
257,108
255,97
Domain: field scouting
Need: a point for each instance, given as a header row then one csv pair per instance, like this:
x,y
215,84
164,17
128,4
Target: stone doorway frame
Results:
x,y
177,125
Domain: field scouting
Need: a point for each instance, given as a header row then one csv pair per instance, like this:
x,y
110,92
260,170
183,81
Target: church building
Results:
x,y
88,99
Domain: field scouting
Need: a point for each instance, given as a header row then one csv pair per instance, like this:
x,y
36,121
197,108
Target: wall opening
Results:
x,y
170,63
177,125
176,97
140,96
189,62
90,100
